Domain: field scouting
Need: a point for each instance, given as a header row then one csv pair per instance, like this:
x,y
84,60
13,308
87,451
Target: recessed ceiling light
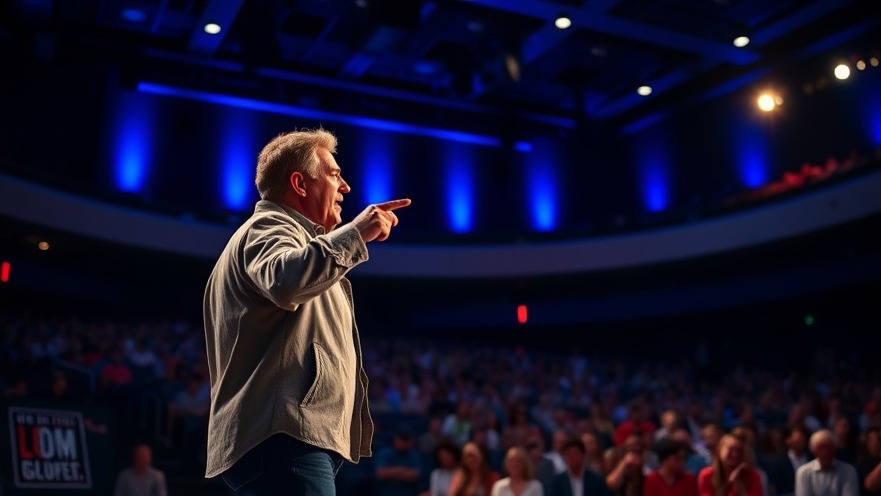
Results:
x,y
741,41
644,90
861,65
43,245
562,22
766,102
212,28
842,71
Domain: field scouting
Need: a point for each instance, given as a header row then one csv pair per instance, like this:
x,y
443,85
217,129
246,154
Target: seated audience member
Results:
x,y
577,480
115,374
747,434
783,468
670,421
141,478
694,461
474,476
670,479
869,464
398,467
446,463
711,434
544,468
627,467
845,440
595,459
60,388
825,476
457,426
730,473
521,479
635,422
558,438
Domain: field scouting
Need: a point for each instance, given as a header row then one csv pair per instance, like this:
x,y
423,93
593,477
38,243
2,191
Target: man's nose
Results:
x,y
344,186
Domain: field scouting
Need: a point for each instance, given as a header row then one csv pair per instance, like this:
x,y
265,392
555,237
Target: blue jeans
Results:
x,y
284,466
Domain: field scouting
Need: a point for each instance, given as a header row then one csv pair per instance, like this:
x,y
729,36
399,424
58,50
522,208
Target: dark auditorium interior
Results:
x,y
630,218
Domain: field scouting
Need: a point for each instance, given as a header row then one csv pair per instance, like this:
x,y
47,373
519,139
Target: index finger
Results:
x,y
393,204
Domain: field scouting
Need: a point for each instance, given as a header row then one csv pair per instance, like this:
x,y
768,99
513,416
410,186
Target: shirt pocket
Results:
x,y
317,389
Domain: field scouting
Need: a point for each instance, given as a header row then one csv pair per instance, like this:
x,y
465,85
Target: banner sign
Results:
x,y
49,449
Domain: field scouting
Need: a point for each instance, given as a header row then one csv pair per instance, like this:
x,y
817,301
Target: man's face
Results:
x,y
324,192
574,459
796,441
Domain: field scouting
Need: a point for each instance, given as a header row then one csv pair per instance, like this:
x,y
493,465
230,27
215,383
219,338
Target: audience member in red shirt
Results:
x,y
635,423
116,373
731,473
670,479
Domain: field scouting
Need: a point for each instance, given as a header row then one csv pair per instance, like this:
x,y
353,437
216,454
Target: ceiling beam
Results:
x,y
593,16
220,12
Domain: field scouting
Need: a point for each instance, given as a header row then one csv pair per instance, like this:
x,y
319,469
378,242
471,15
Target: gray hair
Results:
x,y
288,153
822,435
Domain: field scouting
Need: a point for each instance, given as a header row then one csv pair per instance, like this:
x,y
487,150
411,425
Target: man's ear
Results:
x,y
298,183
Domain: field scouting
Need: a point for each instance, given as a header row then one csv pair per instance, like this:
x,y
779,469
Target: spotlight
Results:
x,y
842,71
766,102
562,22
644,90
861,65
741,41
43,245
212,28
874,61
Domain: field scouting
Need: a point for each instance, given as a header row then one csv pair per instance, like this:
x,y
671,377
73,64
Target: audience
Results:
x,y
474,477
730,473
577,480
141,478
474,404
825,475
521,478
671,478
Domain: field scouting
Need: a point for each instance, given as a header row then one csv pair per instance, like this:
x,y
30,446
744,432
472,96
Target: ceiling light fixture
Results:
x,y
741,41
861,65
644,90
562,22
842,71
212,28
766,102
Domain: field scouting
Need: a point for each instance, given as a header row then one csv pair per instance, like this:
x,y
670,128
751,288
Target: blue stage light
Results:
x,y
132,142
239,159
752,156
541,186
376,166
459,169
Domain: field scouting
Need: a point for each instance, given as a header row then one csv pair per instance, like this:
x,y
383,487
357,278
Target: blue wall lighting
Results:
x,y
376,165
541,186
654,172
459,171
132,141
238,159
752,155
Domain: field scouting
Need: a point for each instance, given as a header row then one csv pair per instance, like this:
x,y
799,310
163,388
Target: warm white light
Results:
x,y
842,71
43,245
644,90
766,102
861,65
741,41
874,61
563,22
212,28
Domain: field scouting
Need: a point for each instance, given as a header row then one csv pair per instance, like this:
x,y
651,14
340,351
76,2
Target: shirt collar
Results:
x,y
816,467
313,228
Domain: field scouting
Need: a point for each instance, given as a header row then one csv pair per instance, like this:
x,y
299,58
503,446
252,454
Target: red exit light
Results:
x,y
522,314
5,268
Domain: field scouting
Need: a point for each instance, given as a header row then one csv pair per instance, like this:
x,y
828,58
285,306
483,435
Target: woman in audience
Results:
x,y
594,459
869,463
626,466
730,474
521,478
474,477
447,459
